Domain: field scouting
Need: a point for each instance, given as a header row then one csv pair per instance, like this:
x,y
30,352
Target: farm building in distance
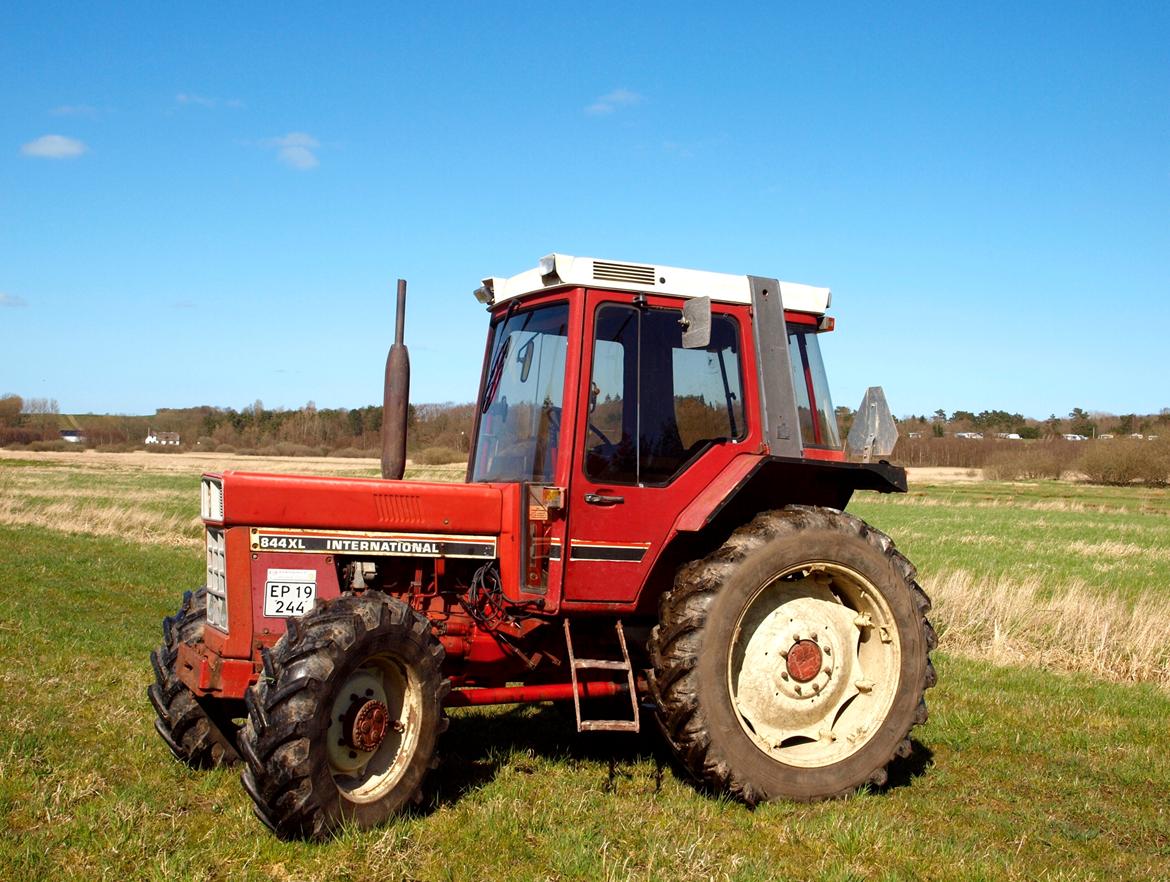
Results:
x,y
167,438
73,436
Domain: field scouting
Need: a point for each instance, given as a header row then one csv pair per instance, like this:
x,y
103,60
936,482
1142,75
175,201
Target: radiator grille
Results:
x,y
623,272
217,612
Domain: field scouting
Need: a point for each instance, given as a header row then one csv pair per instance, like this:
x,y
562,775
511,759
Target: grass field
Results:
x,y
1022,772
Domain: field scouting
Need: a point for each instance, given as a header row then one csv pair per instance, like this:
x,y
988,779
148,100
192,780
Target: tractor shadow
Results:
x,y
480,743
904,771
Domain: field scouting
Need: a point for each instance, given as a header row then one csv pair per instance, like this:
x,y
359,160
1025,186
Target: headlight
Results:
x,y
211,499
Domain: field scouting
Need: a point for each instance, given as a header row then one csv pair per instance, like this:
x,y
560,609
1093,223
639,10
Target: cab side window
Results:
x,y
653,405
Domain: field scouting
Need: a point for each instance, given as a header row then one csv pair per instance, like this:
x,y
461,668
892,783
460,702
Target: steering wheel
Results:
x,y
553,415
600,434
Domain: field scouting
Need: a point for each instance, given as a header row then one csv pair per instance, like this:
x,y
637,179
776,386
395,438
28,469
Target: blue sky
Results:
x,y
209,204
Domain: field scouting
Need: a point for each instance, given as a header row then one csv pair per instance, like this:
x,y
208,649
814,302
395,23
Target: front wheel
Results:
x,y
792,662
343,726
200,732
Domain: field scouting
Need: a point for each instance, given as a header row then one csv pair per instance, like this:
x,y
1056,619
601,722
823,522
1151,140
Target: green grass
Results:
x,y
1020,774
1116,540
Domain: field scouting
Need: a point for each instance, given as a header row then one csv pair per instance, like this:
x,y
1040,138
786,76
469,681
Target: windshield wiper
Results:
x,y
495,375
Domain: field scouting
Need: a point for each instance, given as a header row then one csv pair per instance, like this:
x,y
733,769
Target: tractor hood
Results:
x,y
266,500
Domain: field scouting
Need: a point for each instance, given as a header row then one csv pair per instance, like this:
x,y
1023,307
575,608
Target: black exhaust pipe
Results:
x,y
396,396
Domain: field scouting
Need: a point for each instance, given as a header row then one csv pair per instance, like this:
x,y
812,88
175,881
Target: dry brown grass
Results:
x,y
1059,505
940,475
1118,550
194,463
1025,622
86,514
28,486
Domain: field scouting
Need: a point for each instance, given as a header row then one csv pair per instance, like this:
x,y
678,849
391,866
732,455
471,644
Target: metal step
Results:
x,y
598,664
608,726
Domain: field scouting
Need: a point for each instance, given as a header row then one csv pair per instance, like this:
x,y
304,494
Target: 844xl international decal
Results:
x,y
378,544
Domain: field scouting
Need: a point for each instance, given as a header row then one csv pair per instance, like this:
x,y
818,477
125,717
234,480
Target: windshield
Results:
x,y
520,412
818,422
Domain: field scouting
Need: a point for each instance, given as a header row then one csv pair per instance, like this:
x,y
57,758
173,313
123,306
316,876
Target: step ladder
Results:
x,y
600,664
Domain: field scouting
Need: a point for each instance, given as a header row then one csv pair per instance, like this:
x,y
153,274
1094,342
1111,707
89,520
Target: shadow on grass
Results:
x,y
480,743
903,771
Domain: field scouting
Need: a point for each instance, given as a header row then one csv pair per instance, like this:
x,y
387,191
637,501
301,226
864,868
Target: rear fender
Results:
x,y
753,483
750,484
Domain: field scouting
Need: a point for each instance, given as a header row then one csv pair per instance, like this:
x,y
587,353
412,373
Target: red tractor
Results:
x,y
653,514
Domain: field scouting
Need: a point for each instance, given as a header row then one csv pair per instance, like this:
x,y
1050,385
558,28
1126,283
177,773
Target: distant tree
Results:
x,y
1080,423
1028,431
10,408
844,419
940,416
41,405
41,416
997,419
963,420
1125,424
356,423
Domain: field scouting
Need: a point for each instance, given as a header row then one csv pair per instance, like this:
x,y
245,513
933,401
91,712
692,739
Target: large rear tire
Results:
x,y
199,732
792,662
342,728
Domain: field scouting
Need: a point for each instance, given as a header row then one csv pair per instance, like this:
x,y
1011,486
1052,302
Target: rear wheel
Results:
x,y
199,732
792,662
344,724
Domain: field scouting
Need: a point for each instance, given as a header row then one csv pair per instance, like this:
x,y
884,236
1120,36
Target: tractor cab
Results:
x,y
629,390
662,397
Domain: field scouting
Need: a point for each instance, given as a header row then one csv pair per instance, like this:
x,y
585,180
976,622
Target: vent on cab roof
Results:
x,y
623,272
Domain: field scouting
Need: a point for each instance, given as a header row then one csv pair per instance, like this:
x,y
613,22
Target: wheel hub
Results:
x,y
804,660
807,653
369,725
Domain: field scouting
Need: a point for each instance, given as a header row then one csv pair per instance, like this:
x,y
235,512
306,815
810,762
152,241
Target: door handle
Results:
x,y
598,499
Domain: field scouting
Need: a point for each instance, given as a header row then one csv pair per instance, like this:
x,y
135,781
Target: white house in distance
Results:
x,y
166,438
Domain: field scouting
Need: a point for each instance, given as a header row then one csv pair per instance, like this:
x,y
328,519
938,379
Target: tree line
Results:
x,y
444,428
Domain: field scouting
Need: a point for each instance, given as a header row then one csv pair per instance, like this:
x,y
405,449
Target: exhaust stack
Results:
x,y
396,396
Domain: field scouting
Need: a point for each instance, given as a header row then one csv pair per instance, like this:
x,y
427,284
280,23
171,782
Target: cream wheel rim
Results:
x,y
366,775
814,664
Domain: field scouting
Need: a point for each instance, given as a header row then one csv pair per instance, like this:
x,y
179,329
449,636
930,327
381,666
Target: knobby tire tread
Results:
x,y
683,616
287,709
199,733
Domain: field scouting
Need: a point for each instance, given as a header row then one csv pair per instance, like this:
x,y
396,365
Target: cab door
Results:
x,y
655,423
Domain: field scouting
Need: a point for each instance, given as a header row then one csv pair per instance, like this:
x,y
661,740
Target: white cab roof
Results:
x,y
558,270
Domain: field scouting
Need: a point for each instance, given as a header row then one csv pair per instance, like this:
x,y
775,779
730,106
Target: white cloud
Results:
x,y
198,100
75,110
610,102
54,147
190,99
295,150
11,300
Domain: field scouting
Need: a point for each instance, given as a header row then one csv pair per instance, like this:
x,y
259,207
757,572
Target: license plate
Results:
x,y
290,592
